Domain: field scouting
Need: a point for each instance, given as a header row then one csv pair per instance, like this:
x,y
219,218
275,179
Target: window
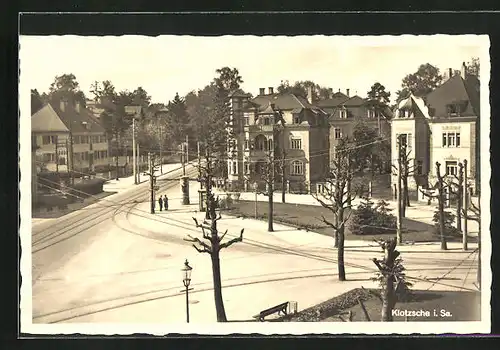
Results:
x,y
246,120
270,144
451,139
296,119
371,113
343,113
62,161
297,168
451,168
266,121
234,168
49,157
452,109
337,133
296,144
45,140
246,144
246,166
419,167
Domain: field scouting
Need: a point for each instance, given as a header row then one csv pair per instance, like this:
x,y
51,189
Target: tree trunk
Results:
x,y
335,234
441,219
406,192
270,208
388,299
479,253
219,302
340,250
459,209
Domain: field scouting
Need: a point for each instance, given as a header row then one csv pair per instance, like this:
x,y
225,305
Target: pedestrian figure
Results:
x,y
160,202
165,201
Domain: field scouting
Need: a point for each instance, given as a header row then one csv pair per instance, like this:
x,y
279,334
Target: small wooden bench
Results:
x,y
279,309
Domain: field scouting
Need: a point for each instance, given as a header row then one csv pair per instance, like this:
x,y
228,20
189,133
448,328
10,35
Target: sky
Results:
x,y
166,65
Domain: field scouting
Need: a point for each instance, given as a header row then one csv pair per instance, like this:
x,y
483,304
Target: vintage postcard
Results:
x,y
244,184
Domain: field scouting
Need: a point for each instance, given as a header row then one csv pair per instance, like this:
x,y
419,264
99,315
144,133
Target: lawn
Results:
x,y
308,217
440,306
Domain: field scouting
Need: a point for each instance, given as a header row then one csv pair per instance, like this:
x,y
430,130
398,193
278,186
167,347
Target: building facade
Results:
x,y
345,112
281,131
68,138
441,127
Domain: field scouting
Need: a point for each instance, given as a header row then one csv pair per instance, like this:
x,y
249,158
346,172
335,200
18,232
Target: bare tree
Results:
x,y
476,216
455,185
408,169
391,277
268,176
212,244
440,196
337,198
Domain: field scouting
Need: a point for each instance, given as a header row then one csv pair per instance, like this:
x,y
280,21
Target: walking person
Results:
x,y
165,201
160,202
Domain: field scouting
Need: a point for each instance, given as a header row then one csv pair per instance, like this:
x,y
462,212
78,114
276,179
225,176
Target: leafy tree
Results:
x,y
377,93
420,83
66,86
140,98
369,219
300,88
36,101
103,89
228,79
473,66
363,145
178,120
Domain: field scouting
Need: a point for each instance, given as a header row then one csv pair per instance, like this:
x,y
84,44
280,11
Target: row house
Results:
x,y
68,137
441,127
345,111
284,128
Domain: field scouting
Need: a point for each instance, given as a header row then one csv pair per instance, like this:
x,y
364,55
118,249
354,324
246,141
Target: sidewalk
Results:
x,y
418,211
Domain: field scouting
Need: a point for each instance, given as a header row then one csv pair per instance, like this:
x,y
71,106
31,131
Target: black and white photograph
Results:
x,y
255,184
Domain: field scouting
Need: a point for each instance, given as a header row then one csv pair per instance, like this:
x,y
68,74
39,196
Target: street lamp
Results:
x,y
186,279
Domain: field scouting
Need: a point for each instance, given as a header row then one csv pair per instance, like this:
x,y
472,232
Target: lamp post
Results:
x,y
186,274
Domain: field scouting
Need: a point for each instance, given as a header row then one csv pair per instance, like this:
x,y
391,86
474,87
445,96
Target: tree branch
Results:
x,y
234,240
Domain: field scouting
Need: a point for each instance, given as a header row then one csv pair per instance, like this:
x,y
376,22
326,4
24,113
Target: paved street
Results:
x,y
122,264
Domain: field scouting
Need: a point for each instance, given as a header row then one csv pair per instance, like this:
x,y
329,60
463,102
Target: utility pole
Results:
x,y
199,159
183,161
67,157
398,195
161,149
71,152
134,155
152,180
465,195
187,149
57,155
138,163
117,156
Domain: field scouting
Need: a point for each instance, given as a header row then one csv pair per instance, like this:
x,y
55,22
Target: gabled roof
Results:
x,y
77,121
238,93
412,102
354,101
47,120
455,90
286,102
335,101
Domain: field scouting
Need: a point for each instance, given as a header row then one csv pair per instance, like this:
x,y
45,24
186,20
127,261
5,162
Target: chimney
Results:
x,y
347,92
62,105
450,73
464,70
271,90
262,91
77,107
310,94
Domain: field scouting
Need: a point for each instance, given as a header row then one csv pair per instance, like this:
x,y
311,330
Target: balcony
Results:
x,y
259,128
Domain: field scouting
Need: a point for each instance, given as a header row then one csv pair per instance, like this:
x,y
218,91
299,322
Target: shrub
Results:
x,y
89,187
368,219
449,220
